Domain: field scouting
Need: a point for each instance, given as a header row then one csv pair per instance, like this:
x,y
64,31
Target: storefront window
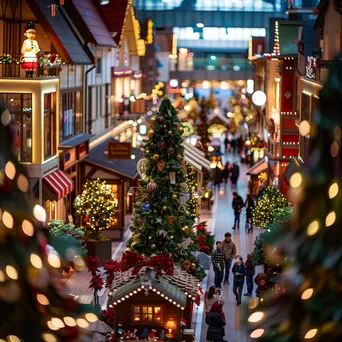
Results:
x,y
20,107
71,117
115,190
51,210
147,314
49,125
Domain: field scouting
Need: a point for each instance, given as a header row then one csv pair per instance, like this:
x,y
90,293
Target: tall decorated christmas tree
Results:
x,y
34,302
162,222
310,307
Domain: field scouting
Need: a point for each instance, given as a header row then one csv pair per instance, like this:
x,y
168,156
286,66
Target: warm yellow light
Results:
x,y
48,337
304,128
307,294
54,260
36,261
11,272
257,333
39,213
310,334
330,219
57,322
43,300
2,277
13,338
210,149
7,219
27,228
22,183
10,170
248,142
296,180
334,149
82,323
90,317
51,326
313,228
213,165
69,321
256,317
333,190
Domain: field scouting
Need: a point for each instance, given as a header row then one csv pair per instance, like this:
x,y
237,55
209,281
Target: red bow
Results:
x,y
163,262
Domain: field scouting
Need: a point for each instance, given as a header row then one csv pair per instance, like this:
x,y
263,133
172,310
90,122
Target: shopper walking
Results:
x,y
235,172
237,205
249,204
229,254
217,177
226,172
212,296
250,274
217,258
240,272
216,323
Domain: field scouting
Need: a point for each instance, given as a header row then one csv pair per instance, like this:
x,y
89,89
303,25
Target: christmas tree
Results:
x,y
211,100
162,222
192,203
34,303
265,207
310,307
97,206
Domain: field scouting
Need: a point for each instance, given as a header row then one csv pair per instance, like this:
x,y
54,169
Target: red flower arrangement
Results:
x,y
205,240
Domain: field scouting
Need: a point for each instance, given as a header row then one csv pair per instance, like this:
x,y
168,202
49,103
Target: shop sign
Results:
x,y
122,72
118,150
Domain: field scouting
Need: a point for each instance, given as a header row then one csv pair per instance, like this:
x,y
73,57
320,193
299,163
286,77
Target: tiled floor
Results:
x,y
221,222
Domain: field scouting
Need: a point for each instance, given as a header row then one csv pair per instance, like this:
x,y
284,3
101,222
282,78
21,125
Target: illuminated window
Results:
x,y
145,314
51,210
116,191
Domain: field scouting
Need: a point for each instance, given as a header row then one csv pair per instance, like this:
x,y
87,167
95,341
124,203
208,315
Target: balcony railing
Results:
x,y
213,63
45,65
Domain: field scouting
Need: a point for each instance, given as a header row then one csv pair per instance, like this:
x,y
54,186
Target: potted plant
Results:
x,y
97,207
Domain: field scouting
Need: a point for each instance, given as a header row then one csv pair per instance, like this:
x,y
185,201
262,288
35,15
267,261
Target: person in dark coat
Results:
x,y
235,172
250,274
240,272
237,205
249,204
226,172
217,177
216,322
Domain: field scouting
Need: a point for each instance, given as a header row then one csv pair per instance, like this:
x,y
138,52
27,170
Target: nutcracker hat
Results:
x,y
30,28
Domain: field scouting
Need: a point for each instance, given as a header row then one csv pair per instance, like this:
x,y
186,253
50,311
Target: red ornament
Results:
x,y
170,150
161,145
161,165
161,119
171,219
151,186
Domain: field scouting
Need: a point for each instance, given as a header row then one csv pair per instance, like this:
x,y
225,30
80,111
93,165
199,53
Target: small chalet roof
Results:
x,y
257,168
218,116
90,22
60,32
176,287
195,157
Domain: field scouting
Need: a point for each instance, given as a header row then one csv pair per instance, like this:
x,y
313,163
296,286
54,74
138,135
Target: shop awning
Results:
x,y
195,157
90,22
59,184
295,165
60,32
125,167
257,168
74,141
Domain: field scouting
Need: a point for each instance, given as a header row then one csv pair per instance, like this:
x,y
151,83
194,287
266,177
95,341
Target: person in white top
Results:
x,y
210,297
29,50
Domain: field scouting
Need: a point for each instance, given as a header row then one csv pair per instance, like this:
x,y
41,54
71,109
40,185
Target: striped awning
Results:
x,y
60,184
257,168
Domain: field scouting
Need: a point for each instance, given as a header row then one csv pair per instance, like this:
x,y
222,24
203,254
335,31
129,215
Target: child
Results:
x,y
212,296
262,281
217,259
250,274
239,271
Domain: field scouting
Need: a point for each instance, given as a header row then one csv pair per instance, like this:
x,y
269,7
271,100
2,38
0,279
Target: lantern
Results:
x,y
172,176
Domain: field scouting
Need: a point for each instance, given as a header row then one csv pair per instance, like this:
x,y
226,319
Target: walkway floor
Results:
x,y
221,222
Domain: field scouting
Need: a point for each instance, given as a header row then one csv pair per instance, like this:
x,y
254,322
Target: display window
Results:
x,y
145,314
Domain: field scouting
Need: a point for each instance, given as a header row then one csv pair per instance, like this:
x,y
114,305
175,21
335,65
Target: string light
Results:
x,y
296,180
36,261
333,190
10,170
310,334
256,317
257,333
49,337
69,321
22,183
82,323
7,219
27,228
330,219
90,317
307,294
313,228
57,322
43,300
39,213
11,272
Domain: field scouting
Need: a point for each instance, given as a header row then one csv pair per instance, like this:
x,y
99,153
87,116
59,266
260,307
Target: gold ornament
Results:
x,y
151,133
186,229
180,129
156,157
180,246
170,133
174,196
153,119
153,246
179,157
164,208
193,266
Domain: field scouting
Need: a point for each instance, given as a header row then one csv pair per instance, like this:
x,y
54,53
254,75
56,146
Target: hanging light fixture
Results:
x,y
172,176
104,2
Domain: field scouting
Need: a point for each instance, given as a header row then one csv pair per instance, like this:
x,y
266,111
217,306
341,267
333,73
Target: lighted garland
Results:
x,y
97,205
266,206
193,202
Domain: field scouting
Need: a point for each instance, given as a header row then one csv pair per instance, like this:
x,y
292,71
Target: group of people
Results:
x,y
222,259
237,205
230,171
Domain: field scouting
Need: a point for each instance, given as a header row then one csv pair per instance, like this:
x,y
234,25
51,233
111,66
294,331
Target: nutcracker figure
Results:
x,y
29,50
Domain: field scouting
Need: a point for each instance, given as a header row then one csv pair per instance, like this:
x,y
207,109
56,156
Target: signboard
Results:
x,y
118,150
